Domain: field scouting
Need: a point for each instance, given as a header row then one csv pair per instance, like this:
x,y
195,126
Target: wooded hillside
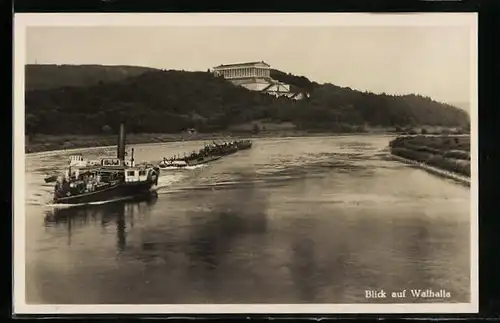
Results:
x,y
40,77
95,100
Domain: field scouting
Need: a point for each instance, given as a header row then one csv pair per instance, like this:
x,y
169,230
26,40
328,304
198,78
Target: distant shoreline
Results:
x,y
47,143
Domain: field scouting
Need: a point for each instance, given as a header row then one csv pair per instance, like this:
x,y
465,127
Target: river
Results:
x,y
292,220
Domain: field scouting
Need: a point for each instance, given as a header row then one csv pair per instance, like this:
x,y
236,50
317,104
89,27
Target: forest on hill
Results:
x,y
159,101
40,77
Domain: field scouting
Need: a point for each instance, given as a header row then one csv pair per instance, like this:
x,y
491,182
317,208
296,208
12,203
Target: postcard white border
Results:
x,y
24,20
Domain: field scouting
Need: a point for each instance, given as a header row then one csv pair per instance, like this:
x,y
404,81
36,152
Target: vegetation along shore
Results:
x,y
77,106
448,153
45,142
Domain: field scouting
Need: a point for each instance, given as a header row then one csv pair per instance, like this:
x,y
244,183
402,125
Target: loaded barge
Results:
x,y
207,154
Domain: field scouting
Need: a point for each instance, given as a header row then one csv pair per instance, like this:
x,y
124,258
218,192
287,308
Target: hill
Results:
x,y
171,101
39,77
462,105
297,83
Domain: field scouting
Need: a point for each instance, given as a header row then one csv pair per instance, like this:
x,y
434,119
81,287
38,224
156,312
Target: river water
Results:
x,y
293,220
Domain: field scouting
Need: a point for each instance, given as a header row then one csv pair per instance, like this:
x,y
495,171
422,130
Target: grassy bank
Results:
x,y
448,153
255,129
41,143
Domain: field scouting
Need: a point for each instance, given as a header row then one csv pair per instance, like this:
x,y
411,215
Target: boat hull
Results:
x,y
194,162
202,161
245,146
110,193
227,151
50,178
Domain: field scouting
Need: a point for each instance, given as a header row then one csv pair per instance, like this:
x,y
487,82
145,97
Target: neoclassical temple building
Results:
x,y
256,76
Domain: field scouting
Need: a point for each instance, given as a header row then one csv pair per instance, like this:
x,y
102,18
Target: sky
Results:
x,y
429,60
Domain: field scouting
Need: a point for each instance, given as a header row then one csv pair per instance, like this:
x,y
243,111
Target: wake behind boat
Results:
x,y
105,179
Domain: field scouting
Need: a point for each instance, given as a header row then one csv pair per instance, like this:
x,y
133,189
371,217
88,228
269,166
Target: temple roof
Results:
x,y
244,64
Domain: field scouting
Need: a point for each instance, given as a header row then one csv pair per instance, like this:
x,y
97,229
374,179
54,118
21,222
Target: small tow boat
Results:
x,y
50,178
187,161
172,164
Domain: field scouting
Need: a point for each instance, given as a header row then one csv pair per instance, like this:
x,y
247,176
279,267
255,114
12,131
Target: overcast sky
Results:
x,y
432,61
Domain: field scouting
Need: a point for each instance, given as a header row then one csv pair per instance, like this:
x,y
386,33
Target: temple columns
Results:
x,y
245,72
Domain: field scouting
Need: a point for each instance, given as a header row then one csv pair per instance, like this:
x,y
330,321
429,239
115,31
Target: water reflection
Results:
x,y
292,221
236,217
120,213
216,219
304,269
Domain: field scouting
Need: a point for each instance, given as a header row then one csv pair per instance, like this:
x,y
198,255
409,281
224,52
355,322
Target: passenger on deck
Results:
x,y
90,186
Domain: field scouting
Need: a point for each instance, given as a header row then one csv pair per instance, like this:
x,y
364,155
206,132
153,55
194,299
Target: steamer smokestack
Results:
x,y
121,143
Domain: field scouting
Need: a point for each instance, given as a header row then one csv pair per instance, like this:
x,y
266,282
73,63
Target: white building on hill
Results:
x,y
256,76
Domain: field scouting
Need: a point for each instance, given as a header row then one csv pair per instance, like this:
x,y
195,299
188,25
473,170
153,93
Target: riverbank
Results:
x,y
445,155
437,171
45,143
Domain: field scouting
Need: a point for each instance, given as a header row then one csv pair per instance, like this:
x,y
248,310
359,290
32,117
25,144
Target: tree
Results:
x,y
169,101
31,122
106,129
